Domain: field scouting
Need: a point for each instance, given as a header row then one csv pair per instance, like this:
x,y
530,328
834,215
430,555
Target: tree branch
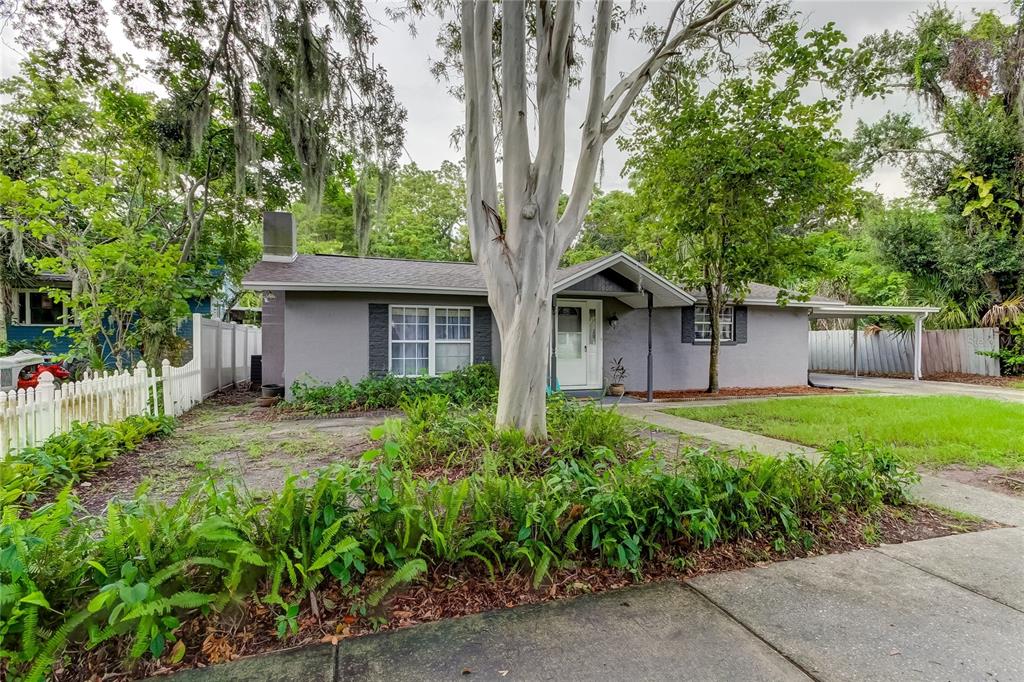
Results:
x,y
622,96
592,140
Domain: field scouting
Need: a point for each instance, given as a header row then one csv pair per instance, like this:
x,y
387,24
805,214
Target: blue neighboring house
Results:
x,y
36,314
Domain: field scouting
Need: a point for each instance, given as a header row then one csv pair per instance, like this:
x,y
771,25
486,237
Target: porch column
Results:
x,y
650,348
855,321
553,380
918,334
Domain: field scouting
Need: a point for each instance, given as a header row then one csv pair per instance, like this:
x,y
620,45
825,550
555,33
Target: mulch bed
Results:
x,y
450,592
726,393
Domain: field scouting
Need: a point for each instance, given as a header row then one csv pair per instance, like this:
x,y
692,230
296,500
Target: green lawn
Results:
x,y
929,430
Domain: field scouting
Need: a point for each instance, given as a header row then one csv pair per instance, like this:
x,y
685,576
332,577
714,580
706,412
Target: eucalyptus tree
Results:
x,y
518,61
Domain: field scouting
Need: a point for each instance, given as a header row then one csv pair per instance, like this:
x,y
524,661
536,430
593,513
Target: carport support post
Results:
x,y
918,340
855,321
650,347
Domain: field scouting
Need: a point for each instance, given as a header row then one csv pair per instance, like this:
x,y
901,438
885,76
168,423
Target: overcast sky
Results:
x,y
433,114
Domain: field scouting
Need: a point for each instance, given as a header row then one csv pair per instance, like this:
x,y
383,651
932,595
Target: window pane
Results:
x,y
22,308
451,324
451,356
43,309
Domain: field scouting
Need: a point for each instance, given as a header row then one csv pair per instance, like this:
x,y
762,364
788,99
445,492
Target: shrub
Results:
x,y
437,433
66,457
474,385
139,570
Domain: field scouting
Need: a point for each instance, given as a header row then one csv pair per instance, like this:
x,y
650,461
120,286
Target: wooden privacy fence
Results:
x,y
220,358
943,350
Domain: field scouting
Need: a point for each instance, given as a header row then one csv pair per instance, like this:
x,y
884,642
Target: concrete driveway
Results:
x,y
910,387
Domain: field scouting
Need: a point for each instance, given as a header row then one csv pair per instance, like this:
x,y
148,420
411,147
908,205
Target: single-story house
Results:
x,y
330,317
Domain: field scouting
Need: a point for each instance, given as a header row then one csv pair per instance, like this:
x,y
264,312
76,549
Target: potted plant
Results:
x,y
618,374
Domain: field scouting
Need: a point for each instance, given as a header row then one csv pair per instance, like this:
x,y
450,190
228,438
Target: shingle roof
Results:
x,y
350,272
353,274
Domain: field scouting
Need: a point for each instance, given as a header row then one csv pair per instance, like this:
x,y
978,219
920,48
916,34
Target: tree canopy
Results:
x,y
733,179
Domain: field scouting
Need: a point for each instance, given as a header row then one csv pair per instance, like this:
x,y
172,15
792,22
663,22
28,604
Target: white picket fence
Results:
x,y
942,350
220,358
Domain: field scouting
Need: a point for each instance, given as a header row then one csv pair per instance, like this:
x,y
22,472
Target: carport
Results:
x,y
833,311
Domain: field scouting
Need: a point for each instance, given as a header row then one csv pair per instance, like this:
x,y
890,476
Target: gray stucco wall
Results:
x,y
775,353
327,339
327,332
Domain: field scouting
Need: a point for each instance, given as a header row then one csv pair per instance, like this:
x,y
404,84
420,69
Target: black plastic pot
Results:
x,y
272,391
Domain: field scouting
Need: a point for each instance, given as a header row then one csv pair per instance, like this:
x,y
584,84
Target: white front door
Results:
x,y
578,344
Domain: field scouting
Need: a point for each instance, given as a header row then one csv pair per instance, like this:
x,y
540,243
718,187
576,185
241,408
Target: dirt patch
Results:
x,y
222,437
990,477
726,393
449,592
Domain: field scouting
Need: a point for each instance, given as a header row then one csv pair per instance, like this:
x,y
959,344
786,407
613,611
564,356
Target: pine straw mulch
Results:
x,y
726,393
455,591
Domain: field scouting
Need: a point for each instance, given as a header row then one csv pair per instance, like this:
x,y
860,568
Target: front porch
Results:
x,y
588,303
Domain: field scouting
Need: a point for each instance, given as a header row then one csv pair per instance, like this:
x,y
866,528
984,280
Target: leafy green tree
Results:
x,y
611,225
138,229
969,74
425,216
735,177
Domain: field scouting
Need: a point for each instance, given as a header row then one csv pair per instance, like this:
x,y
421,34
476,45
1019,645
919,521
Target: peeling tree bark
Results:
x,y
518,254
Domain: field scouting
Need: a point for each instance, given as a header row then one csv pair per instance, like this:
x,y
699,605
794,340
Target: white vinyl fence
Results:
x,y
943,350
220,358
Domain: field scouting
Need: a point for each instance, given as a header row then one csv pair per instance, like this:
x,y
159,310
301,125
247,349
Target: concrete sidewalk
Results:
x,y
910,387
945,609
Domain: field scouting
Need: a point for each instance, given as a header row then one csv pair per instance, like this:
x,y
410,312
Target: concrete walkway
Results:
x,y
910,387
931,489
945,609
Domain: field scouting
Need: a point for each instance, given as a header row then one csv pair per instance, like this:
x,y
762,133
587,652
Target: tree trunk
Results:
x,y
525,357
714,297
518,250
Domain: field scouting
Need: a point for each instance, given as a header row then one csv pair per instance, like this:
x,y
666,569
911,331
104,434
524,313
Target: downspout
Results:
x,y
553,380
650,347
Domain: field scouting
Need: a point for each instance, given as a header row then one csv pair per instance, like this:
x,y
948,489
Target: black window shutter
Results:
x,y
378,338
688,324
740,323
481,334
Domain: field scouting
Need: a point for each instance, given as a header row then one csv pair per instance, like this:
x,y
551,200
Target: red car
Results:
x,y
29,376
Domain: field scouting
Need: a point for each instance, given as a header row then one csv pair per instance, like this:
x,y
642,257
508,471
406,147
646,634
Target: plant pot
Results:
x,y
267,402
272,391
616,389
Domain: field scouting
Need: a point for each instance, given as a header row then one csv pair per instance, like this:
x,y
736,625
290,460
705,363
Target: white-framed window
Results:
x,y
429,339
702,323
38,309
